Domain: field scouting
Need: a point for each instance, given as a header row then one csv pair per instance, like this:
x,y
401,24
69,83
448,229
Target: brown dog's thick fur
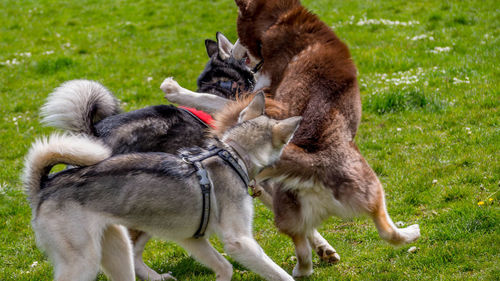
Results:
x,y
321,172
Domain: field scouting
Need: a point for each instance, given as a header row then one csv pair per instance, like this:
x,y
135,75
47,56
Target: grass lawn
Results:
x,y
429,73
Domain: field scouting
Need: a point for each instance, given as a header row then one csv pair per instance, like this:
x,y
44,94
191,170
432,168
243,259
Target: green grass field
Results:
x,y
429,73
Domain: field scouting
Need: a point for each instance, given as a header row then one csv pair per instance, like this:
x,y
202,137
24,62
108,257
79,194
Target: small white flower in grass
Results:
x,y
412,249
434,181
48,52
420,37
12,62
66,45
437,50
149,79
26,54
2,188
35,263
399,129
458,81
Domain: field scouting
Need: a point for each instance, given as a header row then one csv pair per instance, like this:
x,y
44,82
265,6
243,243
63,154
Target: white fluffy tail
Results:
x,y
77,104
68,149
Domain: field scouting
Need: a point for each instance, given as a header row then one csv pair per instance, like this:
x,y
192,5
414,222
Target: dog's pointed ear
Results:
x,y
211,47
254,109
242,4
224,45
245,7
284,129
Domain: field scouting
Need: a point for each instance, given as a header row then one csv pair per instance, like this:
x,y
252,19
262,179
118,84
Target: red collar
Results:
x,y
202,115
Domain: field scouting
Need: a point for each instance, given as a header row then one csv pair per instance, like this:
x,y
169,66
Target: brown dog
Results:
x,y
308,71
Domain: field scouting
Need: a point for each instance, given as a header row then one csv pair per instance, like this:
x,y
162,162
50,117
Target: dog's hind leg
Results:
x,y
73,245
319,244
203,252
366,194
144,272
386,228
75,268
116,259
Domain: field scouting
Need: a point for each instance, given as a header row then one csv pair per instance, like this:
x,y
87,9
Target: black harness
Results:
x,y
205,183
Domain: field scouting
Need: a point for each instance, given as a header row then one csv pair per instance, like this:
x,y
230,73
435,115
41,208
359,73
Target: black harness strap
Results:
x,y
205,191
226,156
205,183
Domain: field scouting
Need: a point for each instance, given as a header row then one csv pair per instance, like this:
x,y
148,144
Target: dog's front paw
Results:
x,y
172,90
167,276
302,270
170,86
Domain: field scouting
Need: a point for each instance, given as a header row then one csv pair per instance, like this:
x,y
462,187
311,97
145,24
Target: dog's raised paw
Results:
x,y
170,86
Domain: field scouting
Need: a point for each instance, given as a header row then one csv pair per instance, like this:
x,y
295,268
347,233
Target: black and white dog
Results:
x,y
78,213
87,107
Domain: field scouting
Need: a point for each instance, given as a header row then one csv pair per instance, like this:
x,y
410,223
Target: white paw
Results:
x,y
410,233
170,86
302,271
167,276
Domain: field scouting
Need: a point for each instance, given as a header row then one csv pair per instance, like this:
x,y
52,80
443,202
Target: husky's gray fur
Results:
x,y
76,212
83,106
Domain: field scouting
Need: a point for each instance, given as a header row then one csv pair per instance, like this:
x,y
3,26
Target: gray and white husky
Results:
x,y
87,107
77,213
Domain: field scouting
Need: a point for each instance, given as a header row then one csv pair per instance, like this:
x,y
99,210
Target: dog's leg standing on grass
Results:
x,y
74,245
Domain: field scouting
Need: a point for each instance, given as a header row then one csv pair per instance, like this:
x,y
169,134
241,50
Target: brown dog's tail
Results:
x,y
77,104
68,149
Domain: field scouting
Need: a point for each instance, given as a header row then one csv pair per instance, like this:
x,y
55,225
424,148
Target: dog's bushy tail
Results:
x,y
76,105
77,150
